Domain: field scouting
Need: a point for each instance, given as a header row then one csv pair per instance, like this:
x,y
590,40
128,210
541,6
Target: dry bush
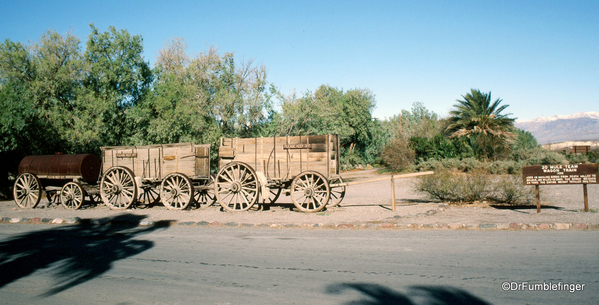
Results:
x,y
455,187
398,155
476,186
511,190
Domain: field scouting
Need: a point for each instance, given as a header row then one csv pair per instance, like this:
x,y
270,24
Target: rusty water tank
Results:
x,y
84,166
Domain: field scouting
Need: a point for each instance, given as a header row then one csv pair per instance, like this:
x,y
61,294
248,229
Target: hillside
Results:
x,y
582,126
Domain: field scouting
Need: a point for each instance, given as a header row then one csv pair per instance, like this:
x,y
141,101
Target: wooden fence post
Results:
x,y
586,197
538,198
393,193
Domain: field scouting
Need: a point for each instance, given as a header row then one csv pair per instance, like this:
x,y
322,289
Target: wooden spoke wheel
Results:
x,y
27,191
205,196
149,195
52,196
95,198
176,191
310,191
273,195
72,196
118,188
337,193
236,187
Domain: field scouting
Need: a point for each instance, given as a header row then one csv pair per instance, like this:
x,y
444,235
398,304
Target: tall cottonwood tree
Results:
x,y
333,110
39,85
202,97
117,79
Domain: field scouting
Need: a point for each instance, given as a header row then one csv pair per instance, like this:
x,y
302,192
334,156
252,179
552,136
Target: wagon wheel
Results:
x,y
337,193
310,191
149,195
72,195
27,191
95,198
236,187
118,188
52,196
205,197
273,195
176,191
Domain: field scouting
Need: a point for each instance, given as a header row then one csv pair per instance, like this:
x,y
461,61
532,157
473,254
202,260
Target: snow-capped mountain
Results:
x,y
561,128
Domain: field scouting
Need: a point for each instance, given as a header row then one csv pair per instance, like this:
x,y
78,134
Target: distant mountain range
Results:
x,y
582,126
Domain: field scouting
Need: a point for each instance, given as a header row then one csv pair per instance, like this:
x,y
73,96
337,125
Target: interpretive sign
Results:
x,y
560,174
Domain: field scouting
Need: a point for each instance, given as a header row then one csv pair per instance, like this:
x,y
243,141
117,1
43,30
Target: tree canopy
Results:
x,y
477,117
59,97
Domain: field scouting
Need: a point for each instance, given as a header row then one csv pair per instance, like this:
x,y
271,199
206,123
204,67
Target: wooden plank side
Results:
x,y
202,159
282,157
144,161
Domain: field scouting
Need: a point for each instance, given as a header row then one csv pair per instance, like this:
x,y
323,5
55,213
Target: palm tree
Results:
x,y
476,117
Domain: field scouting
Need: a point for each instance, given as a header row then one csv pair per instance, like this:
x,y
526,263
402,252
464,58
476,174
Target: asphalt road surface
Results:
x,y
93,264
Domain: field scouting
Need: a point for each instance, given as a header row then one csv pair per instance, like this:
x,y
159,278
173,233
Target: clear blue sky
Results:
x,y
540,57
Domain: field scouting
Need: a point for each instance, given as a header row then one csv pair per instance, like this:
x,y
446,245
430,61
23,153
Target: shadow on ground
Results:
x,y
374,294
523,207
78,253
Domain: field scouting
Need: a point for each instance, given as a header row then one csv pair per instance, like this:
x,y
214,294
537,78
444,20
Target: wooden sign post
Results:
x,y
584,173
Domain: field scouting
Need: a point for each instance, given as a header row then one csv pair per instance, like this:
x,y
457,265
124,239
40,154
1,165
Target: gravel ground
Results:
x,y
368,203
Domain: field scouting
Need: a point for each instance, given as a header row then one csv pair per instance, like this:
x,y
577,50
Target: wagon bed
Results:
x,y
304,167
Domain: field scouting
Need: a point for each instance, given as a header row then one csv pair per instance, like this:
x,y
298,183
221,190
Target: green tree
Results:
x,y
331,110
524,140
199,98
39,84
477,117
117,78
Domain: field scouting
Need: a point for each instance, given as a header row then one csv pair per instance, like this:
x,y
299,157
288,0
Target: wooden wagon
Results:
x,y
304,167
176,174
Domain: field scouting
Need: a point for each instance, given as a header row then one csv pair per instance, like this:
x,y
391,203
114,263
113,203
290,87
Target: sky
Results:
x,y
540,57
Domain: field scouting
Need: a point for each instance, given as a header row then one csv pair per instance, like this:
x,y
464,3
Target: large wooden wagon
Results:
x,y
304,167
176,174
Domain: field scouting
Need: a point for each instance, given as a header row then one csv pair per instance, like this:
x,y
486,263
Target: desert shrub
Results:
x,y
463,165
590,157
455,187
472,165
537,156
504,167
439,186
398,155
576,158
478,184
511,190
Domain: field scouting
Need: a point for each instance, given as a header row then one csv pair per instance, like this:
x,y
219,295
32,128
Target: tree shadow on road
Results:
x,y
78,253
381,295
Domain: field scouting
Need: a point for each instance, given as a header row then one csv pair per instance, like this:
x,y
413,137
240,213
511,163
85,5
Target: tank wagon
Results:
x,y
176,174
67,178
304,167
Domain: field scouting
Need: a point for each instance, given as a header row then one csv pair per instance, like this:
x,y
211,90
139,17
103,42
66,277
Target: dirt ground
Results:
x,y
363,203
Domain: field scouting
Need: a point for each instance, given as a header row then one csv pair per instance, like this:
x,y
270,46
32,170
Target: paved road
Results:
x,y
90,264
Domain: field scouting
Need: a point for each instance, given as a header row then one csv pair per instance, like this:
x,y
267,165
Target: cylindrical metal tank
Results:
x,y
84,166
